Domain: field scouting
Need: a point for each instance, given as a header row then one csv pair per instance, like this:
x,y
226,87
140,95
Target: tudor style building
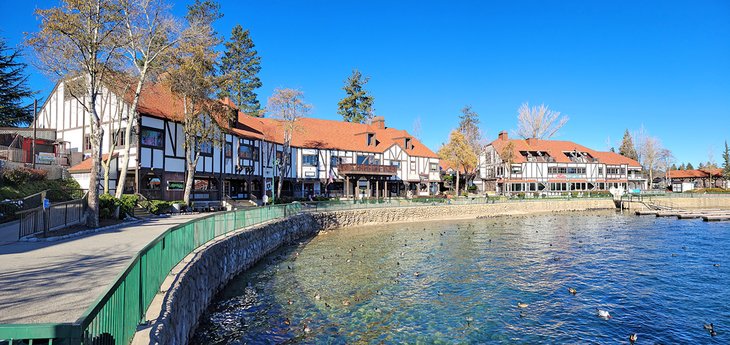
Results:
x,y
332,158
547,167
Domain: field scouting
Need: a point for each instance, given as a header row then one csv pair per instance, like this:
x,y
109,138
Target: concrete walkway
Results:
x,y
57,281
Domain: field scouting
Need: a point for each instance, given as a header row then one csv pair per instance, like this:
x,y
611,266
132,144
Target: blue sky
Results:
x,y
607,65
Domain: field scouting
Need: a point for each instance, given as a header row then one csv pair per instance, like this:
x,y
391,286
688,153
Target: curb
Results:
x,y
80,233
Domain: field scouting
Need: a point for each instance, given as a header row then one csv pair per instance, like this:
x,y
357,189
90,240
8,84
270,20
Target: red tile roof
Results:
x,y
556,149
157,100
85,165
695,173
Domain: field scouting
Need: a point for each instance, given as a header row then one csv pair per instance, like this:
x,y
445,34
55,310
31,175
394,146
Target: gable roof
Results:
x,y
331,134
695,173
157,100
85,165
556,149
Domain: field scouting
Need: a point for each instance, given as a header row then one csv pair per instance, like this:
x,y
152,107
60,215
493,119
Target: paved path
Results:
x,y
57,281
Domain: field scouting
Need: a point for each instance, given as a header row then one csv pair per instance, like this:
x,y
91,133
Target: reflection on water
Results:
x,y
461,281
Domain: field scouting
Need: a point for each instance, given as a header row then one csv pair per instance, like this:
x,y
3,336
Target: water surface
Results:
x,y
461,281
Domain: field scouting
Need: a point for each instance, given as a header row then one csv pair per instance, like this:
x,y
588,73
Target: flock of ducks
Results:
x,y
603,314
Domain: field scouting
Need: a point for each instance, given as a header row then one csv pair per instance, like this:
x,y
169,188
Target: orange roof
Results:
x,y
330,134
157,100
695,173
85,165
556,149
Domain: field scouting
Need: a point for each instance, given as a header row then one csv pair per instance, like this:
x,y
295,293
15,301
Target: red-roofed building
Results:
x,y
547,167
328,157
684,180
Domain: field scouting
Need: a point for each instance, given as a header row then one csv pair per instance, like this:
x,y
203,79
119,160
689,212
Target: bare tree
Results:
x,y
650,152
666,160
193,79
417,128
115,124
79,41
288,106
508,158
151,31
538,122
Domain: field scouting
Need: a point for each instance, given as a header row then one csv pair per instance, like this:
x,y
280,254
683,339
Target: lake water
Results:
x,y
461,281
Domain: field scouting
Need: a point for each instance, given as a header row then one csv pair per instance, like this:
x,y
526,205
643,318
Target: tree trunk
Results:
x,y
105,167
92,217
457,182
131,117
191,158
282,168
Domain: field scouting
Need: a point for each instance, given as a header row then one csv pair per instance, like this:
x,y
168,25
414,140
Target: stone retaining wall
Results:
x,y
699,202
211,268
205,272
341,219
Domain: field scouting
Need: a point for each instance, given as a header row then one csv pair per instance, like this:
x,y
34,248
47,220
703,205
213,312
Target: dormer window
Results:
x,y
371,139
407,143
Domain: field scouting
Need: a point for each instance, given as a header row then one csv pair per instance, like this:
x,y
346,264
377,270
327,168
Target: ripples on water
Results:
x,y
656,276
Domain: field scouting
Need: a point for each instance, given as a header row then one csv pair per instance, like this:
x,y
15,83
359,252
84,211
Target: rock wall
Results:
x,y
212,267
205,272
340,219
683,202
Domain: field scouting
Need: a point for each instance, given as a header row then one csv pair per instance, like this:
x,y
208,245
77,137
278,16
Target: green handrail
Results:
x,y
114,316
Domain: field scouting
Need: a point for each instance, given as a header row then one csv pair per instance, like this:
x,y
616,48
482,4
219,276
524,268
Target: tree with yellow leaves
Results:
x,y
459,154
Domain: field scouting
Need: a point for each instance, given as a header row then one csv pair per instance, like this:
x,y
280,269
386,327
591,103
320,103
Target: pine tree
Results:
x,y
613,149
357,106
726,165
13,88
682,167
673,167
627,148
240,66
702,166
690,167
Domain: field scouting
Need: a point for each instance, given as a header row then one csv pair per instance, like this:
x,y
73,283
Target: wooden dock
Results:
x,y
711,215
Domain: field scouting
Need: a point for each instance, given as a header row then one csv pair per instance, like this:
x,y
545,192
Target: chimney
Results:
x,y
503,135
378,122
531,141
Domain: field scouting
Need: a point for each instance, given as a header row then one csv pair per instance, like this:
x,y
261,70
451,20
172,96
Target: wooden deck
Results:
x,y
709,215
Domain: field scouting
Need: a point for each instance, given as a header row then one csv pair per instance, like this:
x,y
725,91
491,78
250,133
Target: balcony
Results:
x,y
367,169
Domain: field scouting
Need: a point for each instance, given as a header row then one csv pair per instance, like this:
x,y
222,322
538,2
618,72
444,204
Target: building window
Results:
x,y
334,161
151,182
205,148
245,152
151,137
119,138
395,163
517,169
87,142
228,151
309,160
371,139
613,171
407,143
175,185
363,159
413,165
204,184
434,167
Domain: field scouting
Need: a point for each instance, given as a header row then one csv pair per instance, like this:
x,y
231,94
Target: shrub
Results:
x,y
19,176
107,206
160,206
127,203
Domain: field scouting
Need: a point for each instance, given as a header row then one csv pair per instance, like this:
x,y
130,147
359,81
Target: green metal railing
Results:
x,y
113,318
